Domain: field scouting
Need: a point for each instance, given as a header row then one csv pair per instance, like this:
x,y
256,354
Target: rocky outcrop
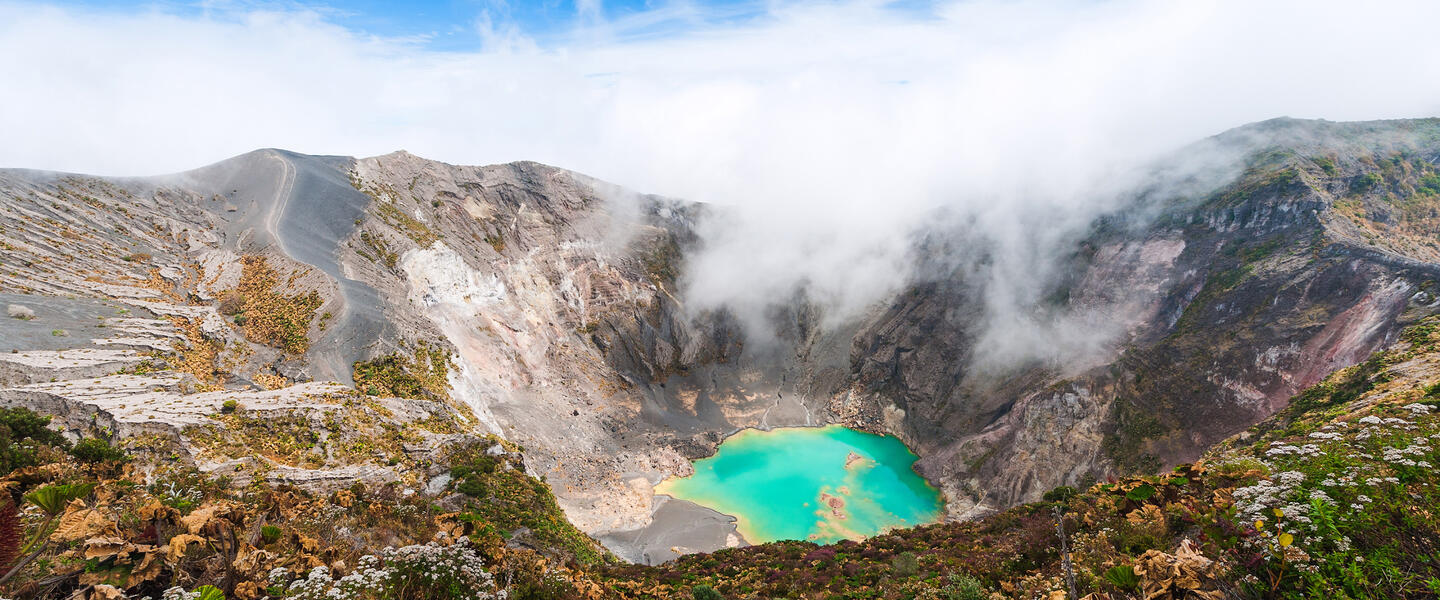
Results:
x,y
548,307
1223,306
551,293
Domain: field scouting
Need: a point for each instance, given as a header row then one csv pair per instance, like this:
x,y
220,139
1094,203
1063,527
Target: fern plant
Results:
x,y
209,592
1123,577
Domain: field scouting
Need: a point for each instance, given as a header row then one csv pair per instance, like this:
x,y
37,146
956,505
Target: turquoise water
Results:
x,y
822,484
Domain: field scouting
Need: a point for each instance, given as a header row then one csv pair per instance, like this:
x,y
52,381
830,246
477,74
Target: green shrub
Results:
x,y
906,564
473,487
705,592
22,434
507,499
1366,182
471,478
96,450
229,406
1060,494
482,464
964,587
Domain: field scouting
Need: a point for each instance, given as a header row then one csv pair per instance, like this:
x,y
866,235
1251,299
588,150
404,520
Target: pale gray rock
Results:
x,y
559,298
437,484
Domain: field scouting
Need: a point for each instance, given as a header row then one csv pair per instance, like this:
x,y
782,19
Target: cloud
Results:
x,y
833,130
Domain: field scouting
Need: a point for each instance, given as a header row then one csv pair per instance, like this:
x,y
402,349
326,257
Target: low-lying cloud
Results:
x,y
832,130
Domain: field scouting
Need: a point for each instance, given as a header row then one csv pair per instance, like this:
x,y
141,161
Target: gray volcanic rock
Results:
x,y
306,207
1230,303
548,288
556,297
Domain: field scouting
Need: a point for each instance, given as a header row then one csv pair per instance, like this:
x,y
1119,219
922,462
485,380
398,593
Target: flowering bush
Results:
x,y
1344,514
429,571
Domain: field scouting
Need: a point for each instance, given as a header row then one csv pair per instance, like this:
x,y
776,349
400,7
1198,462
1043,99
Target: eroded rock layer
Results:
x,y
548,308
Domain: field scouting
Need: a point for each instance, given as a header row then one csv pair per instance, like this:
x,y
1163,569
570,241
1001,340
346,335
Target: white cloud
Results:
x,y
832,127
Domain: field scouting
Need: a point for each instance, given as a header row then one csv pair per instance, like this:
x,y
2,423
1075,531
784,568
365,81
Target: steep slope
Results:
x,y
1229,301
1332,498
537,302
75,235
548,308
555,292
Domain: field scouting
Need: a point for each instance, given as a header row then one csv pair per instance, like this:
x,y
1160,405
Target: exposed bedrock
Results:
x,y
1178,319
1225,305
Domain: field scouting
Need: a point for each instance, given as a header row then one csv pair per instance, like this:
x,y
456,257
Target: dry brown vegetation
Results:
x,y
199,354
266,315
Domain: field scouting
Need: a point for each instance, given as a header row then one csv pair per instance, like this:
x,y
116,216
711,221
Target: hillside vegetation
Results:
x,y
191,409
1335,497
86,524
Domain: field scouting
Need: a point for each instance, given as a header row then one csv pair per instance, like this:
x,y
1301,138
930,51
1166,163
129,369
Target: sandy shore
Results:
x,y
679,527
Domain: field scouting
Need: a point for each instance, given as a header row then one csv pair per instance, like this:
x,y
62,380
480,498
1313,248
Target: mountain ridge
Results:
x,y
553,302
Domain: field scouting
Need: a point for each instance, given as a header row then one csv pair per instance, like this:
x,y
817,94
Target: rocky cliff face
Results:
x,y
1229,302
543,306
538,303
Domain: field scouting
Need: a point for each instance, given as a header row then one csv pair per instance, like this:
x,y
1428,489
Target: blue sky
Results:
x,y
457,24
